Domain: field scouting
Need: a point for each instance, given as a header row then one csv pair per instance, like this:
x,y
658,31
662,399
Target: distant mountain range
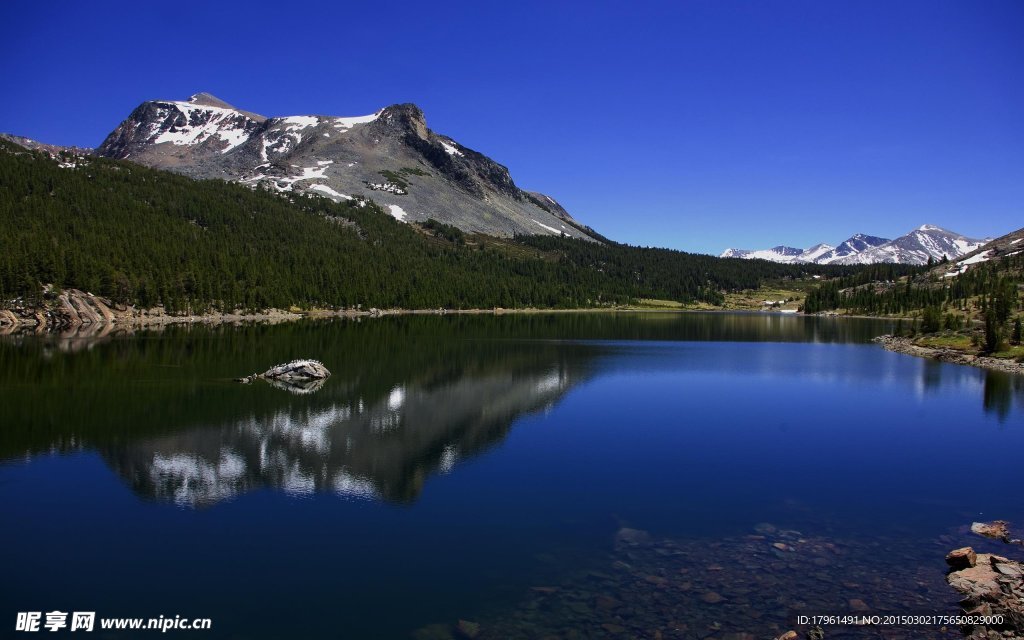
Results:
x,y
389,156
916,247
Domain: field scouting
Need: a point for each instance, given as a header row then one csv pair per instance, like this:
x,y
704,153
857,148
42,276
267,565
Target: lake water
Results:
x,y
559,476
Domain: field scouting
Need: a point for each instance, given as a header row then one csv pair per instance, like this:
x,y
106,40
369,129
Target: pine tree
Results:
x,y
993,331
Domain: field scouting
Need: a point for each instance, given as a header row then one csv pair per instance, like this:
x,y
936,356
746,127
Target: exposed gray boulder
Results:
x,y
295,372
298,370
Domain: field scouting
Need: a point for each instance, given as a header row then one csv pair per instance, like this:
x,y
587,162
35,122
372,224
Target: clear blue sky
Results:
x,y
691,124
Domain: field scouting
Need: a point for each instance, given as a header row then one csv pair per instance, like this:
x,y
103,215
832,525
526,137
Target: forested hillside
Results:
x,y
976,300
148,237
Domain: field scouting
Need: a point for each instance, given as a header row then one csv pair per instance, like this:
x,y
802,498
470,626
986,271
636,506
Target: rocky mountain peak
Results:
x,y
209,100
406,117
389,156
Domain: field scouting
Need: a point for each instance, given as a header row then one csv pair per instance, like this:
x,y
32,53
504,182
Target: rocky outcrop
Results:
x,y
993,588
997,530
907,346
60,311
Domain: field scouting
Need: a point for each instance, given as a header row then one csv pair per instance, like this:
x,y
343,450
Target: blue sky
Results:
x,y
695,125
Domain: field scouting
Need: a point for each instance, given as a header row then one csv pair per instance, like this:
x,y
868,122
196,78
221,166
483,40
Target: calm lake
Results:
x,y
552,475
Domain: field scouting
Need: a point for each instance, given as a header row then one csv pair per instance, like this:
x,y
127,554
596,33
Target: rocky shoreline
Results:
x,y
84,314
992,587
907,346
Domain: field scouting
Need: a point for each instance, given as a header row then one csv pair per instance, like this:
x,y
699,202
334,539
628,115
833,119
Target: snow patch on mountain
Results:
x,y
327,191
551,229
397,212
964,264
344,124
200,124
298,123
450,148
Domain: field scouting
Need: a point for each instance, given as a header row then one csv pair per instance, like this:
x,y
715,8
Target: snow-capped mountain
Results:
x,y
927,241
855,244
818,254
389,156
913,248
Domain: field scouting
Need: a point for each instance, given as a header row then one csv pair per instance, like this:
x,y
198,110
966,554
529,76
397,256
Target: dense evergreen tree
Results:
x,y
931,319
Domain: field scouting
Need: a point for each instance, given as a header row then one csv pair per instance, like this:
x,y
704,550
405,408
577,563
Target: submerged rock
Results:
x,y
433,632
632,536
467,629
997,529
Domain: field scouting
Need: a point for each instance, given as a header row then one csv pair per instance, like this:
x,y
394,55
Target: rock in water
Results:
x,y
467,629
997,530
298,370
632,536
297,376
963,558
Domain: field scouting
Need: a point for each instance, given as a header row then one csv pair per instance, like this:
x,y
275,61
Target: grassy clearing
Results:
x,y
789,295
651,303
754,299
1013,352
962,342
951,341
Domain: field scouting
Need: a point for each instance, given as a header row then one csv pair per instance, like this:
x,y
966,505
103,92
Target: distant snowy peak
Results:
x,y
817,253
858,243
917,247
914,248
775,254
852,246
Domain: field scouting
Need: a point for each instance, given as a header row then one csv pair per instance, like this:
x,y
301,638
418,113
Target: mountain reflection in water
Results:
x,y
408,398
383,448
